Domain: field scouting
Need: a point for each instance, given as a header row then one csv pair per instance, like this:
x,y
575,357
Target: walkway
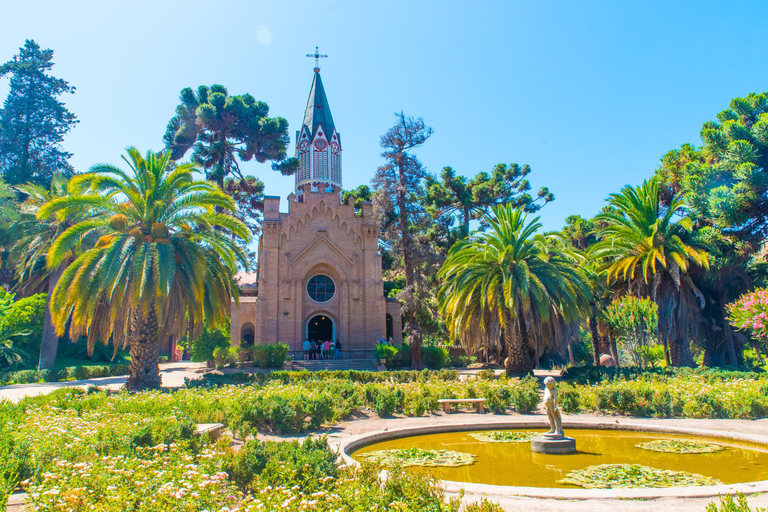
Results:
x,y
173,377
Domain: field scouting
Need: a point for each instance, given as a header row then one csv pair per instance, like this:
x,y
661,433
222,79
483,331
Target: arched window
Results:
x,y
321,288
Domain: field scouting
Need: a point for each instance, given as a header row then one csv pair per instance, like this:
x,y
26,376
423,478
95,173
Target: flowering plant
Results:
x,y
750,311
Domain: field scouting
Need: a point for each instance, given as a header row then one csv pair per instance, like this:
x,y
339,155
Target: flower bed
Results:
x,y
688,396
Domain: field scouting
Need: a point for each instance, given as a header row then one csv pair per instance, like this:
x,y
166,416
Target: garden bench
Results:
x,y
214,430
447,403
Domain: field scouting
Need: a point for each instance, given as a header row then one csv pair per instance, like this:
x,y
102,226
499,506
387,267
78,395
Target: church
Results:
x,y
319,268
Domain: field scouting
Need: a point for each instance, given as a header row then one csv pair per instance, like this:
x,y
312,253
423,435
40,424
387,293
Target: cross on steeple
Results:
x,y
317,57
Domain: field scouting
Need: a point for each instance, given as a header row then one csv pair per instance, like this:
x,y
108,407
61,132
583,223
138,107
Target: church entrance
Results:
x,y
320,328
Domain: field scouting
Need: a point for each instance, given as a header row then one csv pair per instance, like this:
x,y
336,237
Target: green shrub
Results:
x,y
728,504
403,358
385,352
221,356
208,341
434,357
277,354
286,464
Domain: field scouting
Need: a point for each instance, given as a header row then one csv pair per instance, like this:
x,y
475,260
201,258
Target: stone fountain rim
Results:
x,y
350,444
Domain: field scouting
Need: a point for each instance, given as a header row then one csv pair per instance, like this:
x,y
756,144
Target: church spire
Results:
x,y
318,113
318,144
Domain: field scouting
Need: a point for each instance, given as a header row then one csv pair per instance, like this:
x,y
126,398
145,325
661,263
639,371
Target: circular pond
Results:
x,y
725,461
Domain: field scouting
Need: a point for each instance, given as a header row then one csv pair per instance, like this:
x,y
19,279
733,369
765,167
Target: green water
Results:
x,y
515,464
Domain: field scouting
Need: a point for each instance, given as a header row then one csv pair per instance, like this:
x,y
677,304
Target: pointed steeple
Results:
x,y
318,113
318,146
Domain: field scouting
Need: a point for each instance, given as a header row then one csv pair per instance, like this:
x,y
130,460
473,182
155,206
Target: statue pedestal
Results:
x,y
553,444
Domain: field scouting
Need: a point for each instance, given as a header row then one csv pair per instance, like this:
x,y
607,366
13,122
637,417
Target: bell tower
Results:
x,y
318,144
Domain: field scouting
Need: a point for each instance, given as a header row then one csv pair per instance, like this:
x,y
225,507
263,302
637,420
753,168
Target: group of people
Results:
x,y
317,349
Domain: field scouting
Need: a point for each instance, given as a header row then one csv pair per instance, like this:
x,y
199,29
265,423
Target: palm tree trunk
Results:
x,y
49,343
733,360
595,336
519,357
614,348
145,355
680,352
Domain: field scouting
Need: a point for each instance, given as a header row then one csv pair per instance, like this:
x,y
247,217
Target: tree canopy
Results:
x,y
33,121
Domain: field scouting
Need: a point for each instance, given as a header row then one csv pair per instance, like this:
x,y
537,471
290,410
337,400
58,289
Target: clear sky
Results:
x,y
589,93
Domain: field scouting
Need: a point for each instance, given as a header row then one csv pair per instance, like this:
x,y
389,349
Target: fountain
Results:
x,y
554,441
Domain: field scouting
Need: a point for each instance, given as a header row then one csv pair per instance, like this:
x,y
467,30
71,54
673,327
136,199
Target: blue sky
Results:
x,y
589,93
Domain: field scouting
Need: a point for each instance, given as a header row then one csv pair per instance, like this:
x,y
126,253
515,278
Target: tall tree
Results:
x,y
471,199
399,183
161,267
31,248
513,283
33,121
224,130
645,247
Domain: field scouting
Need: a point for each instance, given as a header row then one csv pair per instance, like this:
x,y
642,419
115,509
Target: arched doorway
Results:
x,y
247,335
320,327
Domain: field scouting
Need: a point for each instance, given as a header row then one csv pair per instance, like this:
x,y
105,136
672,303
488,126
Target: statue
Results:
x,y
553,409
553,442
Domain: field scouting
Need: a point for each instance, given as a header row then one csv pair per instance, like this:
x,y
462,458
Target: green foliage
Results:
x,y
11,332
709,394
728,504
512,281
305,464
30,144
386,352
204,346
465,200
360,195
634,322
161,262
651,252
435,357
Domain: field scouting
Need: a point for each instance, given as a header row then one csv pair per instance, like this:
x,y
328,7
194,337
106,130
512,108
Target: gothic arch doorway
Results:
x,y
247,335
320,327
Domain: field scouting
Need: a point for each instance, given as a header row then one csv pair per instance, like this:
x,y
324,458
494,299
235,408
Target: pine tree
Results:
x,y
399,184
33,122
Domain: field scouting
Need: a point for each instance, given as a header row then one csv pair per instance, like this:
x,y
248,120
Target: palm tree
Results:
x,y
30,251
513,282
162,267
643,245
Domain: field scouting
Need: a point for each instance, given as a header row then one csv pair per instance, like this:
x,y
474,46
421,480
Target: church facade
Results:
x,y
319,267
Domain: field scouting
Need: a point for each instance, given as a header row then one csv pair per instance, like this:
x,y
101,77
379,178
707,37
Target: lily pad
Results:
x,y
631,476
504,436
419,457
680,446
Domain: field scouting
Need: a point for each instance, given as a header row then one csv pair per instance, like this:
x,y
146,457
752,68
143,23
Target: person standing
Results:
x,y
307,347
338,350
327,349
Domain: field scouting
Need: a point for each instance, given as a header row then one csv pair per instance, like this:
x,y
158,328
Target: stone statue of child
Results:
x,y
553,409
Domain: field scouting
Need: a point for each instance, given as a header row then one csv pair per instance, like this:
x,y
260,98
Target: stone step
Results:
x,y
334,364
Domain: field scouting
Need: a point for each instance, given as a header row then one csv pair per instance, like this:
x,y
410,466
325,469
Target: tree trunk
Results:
x,y
733,360
595,336
680,353
410,304
519,357
614,348
49,343
145,354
